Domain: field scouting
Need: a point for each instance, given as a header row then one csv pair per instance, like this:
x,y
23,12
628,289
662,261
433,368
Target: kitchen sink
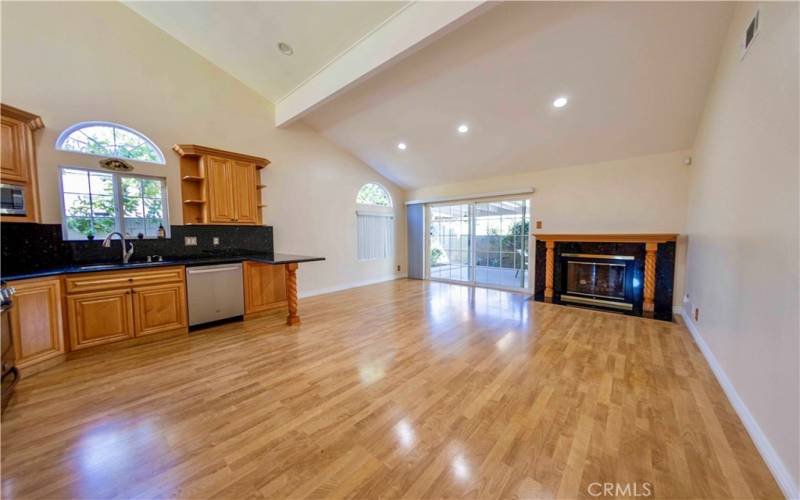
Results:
x,y
95,266
138,263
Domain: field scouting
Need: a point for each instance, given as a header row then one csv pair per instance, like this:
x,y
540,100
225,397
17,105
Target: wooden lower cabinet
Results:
x,y
100,317
264,287
118,305
36,321
159,308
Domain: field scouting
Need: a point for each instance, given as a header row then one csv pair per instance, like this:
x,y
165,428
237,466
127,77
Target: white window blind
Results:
x,y
375,235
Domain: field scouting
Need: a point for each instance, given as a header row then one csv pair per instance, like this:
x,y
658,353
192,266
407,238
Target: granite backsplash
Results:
x,y
32,247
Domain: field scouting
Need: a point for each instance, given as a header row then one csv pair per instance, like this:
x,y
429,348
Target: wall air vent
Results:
x,y
750,34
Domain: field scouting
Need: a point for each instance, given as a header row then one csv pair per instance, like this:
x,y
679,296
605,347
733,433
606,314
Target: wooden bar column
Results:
x,y
650,276
548,268
291,294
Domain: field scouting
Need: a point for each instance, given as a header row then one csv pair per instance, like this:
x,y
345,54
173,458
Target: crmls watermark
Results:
x,y
644,489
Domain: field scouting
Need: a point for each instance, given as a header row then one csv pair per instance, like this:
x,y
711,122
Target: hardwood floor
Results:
x,y
404,389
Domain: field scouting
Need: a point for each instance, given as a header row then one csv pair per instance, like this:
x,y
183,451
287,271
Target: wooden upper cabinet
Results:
x,y
243,176
220,190
36,321
18,158
219,187
13,166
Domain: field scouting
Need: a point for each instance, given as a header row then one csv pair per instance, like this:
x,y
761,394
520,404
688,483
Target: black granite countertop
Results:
x,y
267,258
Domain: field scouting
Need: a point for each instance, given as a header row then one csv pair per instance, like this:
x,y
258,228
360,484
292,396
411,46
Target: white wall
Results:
x,y
636,195
743,229
71,62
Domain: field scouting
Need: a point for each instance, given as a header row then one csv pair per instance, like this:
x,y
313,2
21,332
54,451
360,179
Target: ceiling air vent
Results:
x,y
750,34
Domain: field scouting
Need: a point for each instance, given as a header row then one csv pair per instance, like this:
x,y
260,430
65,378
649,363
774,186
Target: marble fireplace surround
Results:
x,y
655,265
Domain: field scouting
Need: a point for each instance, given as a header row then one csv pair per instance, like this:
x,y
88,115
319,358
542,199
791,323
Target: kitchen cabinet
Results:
x,y
106,307
220,187
243,186
99,318
231,191
18,158
220,190
159,308
36,321
264,287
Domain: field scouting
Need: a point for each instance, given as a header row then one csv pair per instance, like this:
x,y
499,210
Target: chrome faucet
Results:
x,y
126,253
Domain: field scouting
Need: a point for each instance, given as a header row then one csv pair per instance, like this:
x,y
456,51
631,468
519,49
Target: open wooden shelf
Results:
x,y
193,178
194,202
260,186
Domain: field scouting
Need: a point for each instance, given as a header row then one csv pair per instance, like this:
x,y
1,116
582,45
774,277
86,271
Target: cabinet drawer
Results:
x,y
88,282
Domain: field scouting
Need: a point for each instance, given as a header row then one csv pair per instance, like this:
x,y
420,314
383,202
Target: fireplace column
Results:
x,y
548,269
650,276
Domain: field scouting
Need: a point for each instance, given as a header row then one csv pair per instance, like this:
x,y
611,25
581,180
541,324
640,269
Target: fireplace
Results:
x,y
627,273
598,280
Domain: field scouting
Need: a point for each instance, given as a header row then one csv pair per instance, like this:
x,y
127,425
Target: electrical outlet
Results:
x,y
696,314
398,268
190,241
538,224
215,240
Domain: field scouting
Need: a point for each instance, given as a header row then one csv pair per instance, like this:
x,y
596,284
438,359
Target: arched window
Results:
x,y
374,194
109,140
375,223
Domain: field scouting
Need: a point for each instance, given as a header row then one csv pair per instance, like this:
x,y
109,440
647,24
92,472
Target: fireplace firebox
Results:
x,y
598,280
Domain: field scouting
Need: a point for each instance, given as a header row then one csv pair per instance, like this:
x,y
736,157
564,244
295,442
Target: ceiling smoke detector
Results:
x,y
285,48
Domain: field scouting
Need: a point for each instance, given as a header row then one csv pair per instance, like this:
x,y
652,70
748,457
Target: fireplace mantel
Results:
x,y
608,238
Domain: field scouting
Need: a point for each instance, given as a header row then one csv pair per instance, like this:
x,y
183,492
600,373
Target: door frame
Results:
x,y
473,257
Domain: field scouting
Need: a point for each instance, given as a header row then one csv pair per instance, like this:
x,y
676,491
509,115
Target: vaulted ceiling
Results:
x,y
635,74
242,37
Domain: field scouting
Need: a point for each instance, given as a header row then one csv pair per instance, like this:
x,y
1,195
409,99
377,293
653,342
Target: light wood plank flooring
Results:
x,y
405,389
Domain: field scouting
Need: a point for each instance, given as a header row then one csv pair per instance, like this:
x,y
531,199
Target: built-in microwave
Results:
x,y
12,200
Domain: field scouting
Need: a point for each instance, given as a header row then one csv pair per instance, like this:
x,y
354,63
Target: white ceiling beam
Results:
x,y
408,30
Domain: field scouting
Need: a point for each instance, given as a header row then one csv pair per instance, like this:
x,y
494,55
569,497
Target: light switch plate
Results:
x,y
190,241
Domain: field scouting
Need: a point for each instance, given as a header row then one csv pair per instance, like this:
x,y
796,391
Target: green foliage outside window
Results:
x,y
373,194
106,139
90,206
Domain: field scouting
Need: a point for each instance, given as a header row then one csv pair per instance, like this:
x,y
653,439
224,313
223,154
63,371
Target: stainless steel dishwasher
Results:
x,y
214,292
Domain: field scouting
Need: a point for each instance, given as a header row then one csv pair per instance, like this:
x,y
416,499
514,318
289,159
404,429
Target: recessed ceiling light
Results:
x,y
463,128
401,146
560,102
285,48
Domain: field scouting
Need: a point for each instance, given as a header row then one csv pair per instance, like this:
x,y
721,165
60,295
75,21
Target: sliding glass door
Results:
x,y
449,244
501,243
481,242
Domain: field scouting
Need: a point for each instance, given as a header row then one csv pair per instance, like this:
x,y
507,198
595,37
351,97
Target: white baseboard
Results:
x,y
346,286
773,461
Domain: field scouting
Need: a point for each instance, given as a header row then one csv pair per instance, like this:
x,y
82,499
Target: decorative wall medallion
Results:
x,y
116,164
